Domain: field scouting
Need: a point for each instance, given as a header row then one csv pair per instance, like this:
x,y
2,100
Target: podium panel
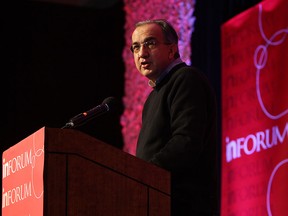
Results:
x,y
81,175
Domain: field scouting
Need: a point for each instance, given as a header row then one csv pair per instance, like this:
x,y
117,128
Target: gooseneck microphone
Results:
x,y
84,117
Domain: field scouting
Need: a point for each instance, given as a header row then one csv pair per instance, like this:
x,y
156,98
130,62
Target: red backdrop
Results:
x,y
255,111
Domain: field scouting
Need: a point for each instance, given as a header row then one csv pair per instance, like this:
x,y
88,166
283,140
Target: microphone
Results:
x,y
84,117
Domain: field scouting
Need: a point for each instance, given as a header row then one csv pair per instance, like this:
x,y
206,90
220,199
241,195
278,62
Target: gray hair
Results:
x,y
170,35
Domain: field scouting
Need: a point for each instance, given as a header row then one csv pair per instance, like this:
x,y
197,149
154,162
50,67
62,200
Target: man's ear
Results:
x,y
173,50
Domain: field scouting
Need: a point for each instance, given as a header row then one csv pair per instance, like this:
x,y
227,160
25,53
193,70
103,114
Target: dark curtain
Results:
x,y
60,60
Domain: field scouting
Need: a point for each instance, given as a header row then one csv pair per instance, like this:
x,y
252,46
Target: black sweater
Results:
x,y
179,134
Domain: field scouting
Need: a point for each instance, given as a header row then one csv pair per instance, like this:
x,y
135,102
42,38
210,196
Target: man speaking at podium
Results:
x,y
178,121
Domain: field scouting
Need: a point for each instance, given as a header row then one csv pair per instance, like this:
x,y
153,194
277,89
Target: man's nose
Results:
x,y
143,51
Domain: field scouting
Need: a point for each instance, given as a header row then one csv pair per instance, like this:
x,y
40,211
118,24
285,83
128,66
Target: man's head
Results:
x,y
154,46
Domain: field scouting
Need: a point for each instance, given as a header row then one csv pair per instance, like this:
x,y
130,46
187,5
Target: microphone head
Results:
x,y
110,102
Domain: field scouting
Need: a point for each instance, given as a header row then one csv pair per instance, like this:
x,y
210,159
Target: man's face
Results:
x,y
151,54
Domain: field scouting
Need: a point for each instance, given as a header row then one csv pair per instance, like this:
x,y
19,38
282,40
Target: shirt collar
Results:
x,y
165,73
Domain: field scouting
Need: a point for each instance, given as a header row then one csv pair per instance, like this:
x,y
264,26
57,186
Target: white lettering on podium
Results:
x,y
16,194
17,163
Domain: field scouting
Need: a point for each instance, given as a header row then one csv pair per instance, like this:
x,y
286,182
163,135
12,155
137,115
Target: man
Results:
x,y
178,121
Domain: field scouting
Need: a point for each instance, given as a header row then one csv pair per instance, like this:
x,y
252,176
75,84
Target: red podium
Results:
x,y
67,172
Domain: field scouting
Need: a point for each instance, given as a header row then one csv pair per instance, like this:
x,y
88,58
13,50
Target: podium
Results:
x,y
80,175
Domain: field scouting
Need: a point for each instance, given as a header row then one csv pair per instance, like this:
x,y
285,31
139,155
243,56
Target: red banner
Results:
x,y
22,177
255,111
